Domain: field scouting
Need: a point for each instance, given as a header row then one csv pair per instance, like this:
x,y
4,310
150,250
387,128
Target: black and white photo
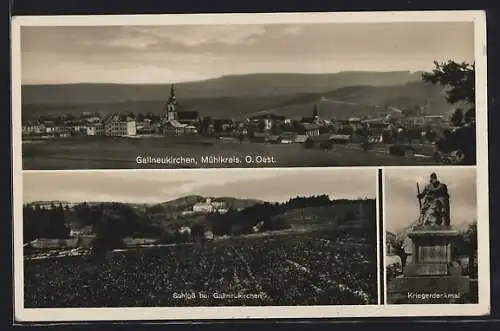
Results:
x,y
431,240
248,95
202,238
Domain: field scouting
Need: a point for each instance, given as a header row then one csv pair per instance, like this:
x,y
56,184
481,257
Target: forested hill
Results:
x,y
155,220
226,86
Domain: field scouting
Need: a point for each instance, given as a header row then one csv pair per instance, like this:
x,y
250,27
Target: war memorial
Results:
x,y
431,274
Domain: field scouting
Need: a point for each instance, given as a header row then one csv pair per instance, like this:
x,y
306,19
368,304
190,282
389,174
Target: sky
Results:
x,y
170,54
152,186
401,206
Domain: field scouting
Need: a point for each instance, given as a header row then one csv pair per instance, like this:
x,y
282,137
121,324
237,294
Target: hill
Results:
x,y
344,102
226,86
120,220
323,215
367,101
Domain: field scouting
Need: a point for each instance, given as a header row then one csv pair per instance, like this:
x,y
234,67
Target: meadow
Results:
x,y
121,153
295,269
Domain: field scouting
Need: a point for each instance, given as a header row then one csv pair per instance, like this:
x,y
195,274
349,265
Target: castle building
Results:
x,y
209,206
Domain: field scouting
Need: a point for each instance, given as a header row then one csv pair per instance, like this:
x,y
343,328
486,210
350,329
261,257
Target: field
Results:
x,y
121,153
294,269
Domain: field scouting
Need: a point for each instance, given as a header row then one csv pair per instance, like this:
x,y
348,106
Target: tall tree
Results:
x,y
29,230
470,116
83,214
205,124
198,231
457,119
470,238
459,77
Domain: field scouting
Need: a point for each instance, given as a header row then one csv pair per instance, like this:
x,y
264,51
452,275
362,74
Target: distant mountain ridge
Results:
x,y
178,204
225,86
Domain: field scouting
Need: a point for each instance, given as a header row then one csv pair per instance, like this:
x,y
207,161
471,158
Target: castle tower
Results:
x,y
172,105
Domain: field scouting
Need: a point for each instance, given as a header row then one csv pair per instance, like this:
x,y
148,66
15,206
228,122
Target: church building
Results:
x,y
179,122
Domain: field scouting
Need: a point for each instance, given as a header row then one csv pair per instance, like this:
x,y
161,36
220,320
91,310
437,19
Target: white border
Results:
x,y
203,313
384,234
379,229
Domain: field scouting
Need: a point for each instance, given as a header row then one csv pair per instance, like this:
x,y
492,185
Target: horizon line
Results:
x,y
212,197
411,72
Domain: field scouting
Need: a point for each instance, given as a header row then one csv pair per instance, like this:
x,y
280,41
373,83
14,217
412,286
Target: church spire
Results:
x,y
172,92
172,105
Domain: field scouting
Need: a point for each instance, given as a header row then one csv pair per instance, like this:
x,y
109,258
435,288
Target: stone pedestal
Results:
x,y
430,276
432,255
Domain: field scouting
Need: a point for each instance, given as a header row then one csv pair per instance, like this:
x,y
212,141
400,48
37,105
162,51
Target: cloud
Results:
x,y
231,35
155,38
191,52
159,186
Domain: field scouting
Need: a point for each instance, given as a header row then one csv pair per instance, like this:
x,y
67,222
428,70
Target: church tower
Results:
x,y
315,112
172,105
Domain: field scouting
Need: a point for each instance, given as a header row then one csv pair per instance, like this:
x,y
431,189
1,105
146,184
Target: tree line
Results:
x,y
270,215
44,222
111,222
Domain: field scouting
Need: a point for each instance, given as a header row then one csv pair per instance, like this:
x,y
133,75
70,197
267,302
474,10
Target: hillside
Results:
x,y
169,211
340,103
367,101
164,219
322,215
165,215
226,86
220,107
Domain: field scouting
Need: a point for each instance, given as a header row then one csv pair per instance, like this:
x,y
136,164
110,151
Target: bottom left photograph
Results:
x,y
213,237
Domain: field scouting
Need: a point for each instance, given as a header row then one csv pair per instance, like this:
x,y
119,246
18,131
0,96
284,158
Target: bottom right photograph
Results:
x,y
430,218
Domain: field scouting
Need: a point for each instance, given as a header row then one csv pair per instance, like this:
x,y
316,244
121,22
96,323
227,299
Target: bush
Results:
x,y
400,150
392,271
327,144
309,143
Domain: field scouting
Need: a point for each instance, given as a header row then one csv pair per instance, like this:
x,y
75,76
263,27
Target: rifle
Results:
x,y
418,197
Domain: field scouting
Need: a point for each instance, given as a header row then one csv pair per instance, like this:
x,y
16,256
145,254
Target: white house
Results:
x,y
203,207
95,130
185,230
139,241
118,127
268,124
176,127
208,235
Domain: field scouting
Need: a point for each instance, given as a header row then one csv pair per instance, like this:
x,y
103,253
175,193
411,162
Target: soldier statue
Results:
x,y
434,203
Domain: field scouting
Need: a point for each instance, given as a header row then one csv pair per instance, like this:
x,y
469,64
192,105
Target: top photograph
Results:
x,y
248,90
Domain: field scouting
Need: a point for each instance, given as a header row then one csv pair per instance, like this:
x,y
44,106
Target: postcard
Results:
x,y
249,166
200,238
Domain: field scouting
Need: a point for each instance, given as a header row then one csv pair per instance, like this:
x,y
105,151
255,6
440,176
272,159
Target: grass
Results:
x,y
121,153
